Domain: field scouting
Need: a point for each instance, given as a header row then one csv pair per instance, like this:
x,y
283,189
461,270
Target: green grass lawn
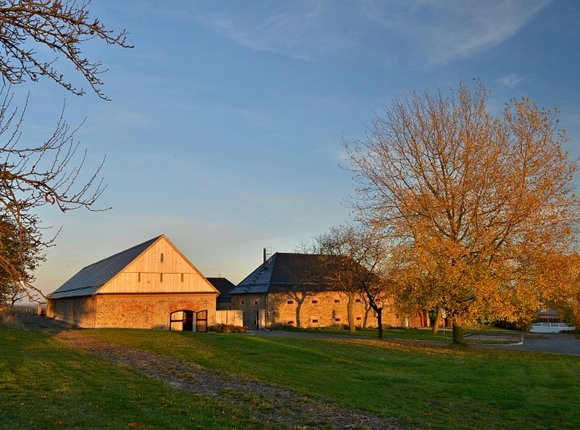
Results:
x,y
43,383
424,386
443,335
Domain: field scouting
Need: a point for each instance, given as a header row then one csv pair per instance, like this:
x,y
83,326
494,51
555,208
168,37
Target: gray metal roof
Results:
x,y
259,280
88,280
290,272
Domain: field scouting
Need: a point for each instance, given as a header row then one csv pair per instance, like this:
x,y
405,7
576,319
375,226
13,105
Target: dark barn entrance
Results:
x,y
186,320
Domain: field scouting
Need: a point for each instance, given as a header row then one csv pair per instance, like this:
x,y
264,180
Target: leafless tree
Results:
x,y
51,172
62,27
363,268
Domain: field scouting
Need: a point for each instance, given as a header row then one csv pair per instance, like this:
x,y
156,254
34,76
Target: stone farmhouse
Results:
x,y
151,285
292,289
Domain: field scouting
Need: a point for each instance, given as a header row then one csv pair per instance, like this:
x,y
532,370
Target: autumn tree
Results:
x,y
51,171
560,275
474,200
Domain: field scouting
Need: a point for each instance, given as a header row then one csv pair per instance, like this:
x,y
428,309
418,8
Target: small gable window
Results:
x,y
139,277
182,277
161,257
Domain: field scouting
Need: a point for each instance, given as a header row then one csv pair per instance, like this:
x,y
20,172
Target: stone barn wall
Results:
x,y
322,309
150,311
250,305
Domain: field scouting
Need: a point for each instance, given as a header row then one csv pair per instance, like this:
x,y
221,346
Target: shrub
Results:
x,y
512,325
227,328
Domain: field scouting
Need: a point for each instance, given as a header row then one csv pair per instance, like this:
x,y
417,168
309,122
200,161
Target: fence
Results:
x,y
231,317
545,327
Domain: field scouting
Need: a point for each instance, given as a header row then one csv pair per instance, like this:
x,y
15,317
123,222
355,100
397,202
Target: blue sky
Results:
x,y
227,119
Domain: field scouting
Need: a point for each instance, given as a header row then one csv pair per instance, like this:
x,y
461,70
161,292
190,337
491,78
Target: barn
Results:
x,y
293,289
151,285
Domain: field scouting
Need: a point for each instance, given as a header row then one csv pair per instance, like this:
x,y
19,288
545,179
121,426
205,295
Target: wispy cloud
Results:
x,y
511,80
451,29
299,29
437,31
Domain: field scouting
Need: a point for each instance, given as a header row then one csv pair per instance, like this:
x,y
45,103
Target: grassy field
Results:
x,y
443,335
43,383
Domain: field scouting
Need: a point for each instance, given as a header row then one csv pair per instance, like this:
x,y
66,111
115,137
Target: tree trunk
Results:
x,y
435,328
380,322
458,338
298,309
350,312
366,317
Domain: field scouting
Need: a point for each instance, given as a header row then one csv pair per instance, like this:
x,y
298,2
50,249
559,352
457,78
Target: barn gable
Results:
x,y
161,268
154,266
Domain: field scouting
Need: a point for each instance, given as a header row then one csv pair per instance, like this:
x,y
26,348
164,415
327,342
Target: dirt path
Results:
x,y
269,404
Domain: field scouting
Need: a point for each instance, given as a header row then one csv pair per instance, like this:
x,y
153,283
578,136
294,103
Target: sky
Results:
x,y
227,119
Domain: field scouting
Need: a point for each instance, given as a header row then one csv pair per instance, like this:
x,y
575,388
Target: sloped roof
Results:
x,y
88,280
224,286
289,271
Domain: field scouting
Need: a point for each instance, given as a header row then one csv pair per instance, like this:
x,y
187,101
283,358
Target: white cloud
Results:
x,y
445,30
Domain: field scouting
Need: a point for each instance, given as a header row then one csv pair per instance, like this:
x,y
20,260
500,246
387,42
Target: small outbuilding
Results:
x,y
151,285
224,286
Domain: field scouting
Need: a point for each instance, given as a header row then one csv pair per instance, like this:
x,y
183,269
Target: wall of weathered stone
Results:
x,y
79,311
321,309
149,310
249,304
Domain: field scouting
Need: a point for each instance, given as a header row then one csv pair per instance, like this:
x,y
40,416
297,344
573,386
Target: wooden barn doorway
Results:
x,y
187,320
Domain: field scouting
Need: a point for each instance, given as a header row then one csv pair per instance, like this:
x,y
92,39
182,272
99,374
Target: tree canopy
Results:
x,y
474,199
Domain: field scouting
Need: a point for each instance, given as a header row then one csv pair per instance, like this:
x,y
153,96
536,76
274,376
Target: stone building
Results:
x,y
293,289
151,285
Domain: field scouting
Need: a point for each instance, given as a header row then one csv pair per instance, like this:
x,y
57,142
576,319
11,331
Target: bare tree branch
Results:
x,y
61,26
